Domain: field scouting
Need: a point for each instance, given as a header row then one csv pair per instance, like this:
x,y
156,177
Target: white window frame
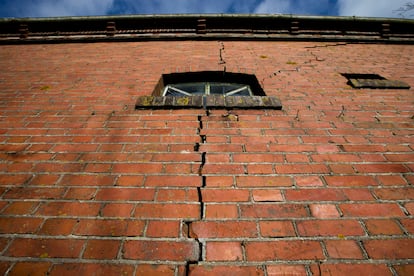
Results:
x,y
207,86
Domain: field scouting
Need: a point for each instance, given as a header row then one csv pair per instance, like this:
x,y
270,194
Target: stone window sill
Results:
x,y
208,102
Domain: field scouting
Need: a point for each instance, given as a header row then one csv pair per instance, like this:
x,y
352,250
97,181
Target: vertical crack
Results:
x,y
203,139
221,54
203,162
187,224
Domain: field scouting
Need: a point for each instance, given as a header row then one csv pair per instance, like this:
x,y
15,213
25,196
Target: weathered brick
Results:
x,y
14,179
395,193
351,269
205,270
101,249
56,208
350,180
135,228
173,181
268,195
323,211
44,180
301,168
163,229
215,211
58,226
389,249
224,195
102,227
223,229
15,225
338,228
20,208
381,168
156,269
219,181
363,194
392,180
224,251
371,210
260,169
276,229
45,248
383,227
183,211
257,157
150,168
400,157
283,250
319,194
67,269
130,180
297,158
278,270
223,169
80,193
364,148
30,268
125,194
273,211
308,181
86,180
263,181
57,167
34,193
117,210
161,250
177,195
343,249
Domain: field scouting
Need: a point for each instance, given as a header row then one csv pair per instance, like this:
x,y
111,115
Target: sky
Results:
x,y
52,8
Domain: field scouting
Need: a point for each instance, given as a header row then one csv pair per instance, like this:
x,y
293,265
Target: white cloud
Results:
x,y
295,7
271,6
185,6
47,8
372,8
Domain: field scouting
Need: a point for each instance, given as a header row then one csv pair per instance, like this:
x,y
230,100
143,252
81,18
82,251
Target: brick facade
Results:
x,y
91,185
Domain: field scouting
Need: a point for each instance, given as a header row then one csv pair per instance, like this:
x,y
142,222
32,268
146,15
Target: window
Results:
x,y
208,89
374,81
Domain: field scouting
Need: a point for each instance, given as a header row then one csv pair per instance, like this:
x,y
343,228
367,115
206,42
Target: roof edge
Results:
x,y
206,26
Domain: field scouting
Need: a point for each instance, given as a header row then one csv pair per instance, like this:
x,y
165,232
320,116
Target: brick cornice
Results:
x,y
206,26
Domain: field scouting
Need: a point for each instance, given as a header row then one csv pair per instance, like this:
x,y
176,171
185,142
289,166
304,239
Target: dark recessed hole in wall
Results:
x,y
373,81
209,76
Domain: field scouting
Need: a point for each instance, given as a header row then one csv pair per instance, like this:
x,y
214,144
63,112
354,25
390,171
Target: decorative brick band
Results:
x,y
209,101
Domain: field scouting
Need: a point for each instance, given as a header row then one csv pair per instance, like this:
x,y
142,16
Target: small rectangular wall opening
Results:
x,y
373,81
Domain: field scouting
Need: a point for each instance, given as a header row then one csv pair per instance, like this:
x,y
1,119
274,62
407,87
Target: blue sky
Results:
x,y
49,8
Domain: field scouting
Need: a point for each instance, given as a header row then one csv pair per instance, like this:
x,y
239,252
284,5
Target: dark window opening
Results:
x,y
208,89
215,80
374,81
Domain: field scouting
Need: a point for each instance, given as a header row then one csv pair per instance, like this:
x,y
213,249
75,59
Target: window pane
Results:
x,y
244,92
192,88
175,93
202,88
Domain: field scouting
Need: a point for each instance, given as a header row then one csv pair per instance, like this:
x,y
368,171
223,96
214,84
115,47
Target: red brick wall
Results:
x,y
89,184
